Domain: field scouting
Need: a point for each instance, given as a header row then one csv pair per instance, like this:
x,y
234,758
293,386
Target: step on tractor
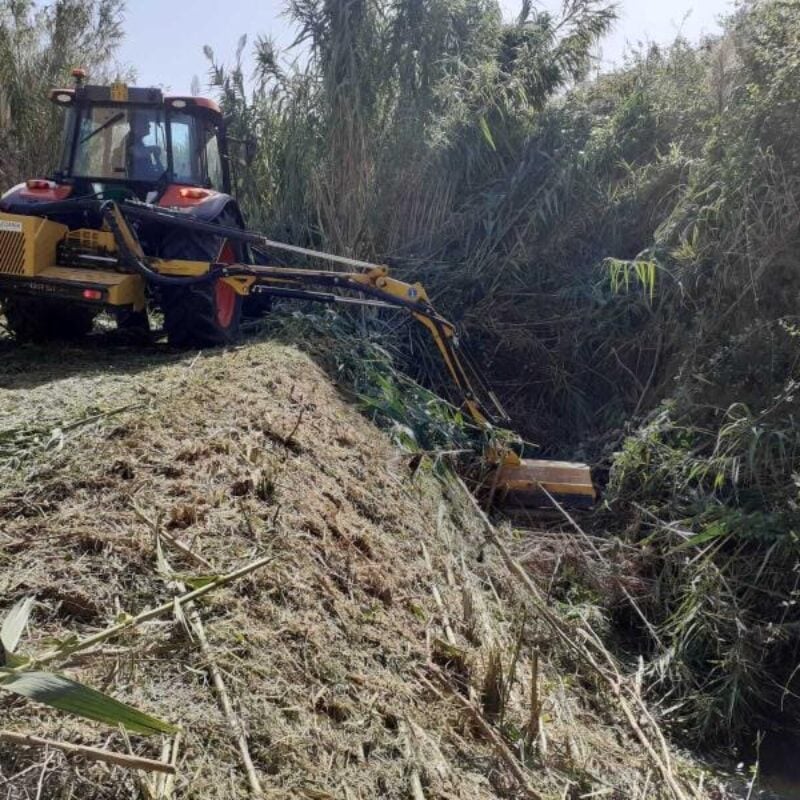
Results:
x,y
139,215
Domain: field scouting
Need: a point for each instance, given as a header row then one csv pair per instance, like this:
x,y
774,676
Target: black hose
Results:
x,y
130,259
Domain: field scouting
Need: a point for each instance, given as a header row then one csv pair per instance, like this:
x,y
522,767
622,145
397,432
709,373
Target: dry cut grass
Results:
x,y
360,663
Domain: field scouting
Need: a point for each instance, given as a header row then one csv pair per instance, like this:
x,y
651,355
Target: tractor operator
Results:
x,y
144,161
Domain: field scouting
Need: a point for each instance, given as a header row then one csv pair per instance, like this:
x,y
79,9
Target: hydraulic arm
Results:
x,y
370,286
512,479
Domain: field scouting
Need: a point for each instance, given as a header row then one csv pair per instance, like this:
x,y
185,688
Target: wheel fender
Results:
x,y
205,207
21,199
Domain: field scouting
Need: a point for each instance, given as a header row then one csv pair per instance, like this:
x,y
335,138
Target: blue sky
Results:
x,y
165,39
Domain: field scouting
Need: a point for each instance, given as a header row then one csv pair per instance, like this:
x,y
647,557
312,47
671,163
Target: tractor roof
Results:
x,y
123,94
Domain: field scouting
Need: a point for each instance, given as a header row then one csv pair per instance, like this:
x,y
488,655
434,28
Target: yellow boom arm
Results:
x,y
513,479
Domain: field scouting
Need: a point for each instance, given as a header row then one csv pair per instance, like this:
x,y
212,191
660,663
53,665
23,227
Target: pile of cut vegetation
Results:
x,y
373,642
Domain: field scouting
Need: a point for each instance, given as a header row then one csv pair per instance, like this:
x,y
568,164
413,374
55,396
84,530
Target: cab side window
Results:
x,y
195,151
212,157
181,130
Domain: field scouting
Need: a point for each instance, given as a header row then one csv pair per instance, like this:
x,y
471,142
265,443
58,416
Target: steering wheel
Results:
x,y
159,164
155,165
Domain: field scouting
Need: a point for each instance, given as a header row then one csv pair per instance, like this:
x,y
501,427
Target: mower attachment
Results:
x,y
534,483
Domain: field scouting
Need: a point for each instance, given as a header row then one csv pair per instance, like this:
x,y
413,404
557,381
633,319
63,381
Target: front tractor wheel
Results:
x,y
206,314
35,319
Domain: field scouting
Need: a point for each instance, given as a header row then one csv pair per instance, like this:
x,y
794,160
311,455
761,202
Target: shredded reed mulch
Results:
x,y
378,571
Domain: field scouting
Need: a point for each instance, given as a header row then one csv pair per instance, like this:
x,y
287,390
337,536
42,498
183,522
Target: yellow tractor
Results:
x,y
139,214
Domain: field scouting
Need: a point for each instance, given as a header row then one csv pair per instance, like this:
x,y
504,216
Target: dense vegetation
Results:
x,y
622,252
623,256
39,45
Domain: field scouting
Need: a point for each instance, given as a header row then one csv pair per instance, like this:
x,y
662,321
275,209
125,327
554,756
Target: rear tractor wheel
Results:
x,y
204,314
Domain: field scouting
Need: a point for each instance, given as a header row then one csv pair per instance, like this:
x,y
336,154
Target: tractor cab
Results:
x,y
122,141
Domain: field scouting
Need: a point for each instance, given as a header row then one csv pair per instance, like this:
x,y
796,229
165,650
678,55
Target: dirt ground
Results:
x,y
344,658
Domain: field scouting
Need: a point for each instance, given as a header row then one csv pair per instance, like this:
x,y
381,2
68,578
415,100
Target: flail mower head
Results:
x,y
525,483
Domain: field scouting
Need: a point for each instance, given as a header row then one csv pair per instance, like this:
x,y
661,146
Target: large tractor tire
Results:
x,y
206,314
35,319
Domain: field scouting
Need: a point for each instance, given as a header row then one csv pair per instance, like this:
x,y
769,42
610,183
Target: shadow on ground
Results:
x,y
27,366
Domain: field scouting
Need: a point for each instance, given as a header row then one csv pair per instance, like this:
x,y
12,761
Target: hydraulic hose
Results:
x,y
130,259
178,220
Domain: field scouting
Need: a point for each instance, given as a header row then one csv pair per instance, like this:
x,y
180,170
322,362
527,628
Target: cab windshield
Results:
x,y
133,143
121,143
